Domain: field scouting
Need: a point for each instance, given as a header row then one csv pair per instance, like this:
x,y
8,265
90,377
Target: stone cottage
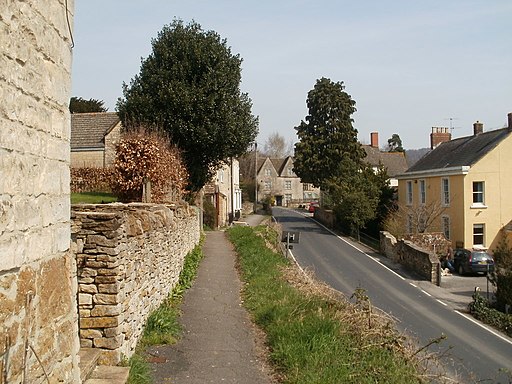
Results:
x,y
93,139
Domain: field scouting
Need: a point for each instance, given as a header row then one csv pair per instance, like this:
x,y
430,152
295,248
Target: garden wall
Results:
x,y
325,216
414,258
129,258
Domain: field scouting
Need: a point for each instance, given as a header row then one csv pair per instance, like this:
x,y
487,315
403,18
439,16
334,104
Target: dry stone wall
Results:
x,y
38,315
415,258
129,258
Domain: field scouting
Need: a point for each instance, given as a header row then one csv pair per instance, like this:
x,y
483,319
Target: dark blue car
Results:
x,y
472,261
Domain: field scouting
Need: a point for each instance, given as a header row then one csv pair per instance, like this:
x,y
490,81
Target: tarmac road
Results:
x,y
476,353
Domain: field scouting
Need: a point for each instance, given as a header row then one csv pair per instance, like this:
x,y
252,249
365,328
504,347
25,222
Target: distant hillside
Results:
x,y
413,155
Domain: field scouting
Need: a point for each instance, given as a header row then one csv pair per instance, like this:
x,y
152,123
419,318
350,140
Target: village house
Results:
x,y
276,178
393,162
467,180
278,181
93,139
224,193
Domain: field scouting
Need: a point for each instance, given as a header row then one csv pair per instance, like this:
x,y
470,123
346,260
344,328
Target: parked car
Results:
x,y
472,261
312,206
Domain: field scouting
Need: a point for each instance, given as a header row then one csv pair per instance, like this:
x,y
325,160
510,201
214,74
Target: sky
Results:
x,y
408,65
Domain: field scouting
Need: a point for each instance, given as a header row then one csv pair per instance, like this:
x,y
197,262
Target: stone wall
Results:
x,y
325,216
129,258
37,272
416,259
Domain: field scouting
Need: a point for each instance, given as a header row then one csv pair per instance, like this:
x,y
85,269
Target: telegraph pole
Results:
x,y
255,177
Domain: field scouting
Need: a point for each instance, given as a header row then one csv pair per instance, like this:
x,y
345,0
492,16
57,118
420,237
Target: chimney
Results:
x,y
510,120
439,135
478,128
374,139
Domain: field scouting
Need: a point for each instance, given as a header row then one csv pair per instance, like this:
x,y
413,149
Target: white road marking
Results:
x,y
484,327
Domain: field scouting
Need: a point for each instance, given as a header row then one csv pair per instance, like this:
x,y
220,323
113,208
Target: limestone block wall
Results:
x,y
38,316
129,258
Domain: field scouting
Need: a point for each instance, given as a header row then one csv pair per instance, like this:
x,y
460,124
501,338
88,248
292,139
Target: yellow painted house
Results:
x,y
468,182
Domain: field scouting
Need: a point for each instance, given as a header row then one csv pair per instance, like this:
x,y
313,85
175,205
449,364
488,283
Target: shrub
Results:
x,y
90,179
143,154
209,214
482,311
501,277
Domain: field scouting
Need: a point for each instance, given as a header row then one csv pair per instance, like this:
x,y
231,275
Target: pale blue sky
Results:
x,y
409,65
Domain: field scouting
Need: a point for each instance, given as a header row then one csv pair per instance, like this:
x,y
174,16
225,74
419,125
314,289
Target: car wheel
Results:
x,y
461,269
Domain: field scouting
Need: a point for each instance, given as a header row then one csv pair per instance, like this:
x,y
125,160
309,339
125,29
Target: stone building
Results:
x,y
277,180
395,163
93,139
224,192
38,283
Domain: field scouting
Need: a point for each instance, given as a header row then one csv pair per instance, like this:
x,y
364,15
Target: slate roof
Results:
x,y
88,130
464,151
394,162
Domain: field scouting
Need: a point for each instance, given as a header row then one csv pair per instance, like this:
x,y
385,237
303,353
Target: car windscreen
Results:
x,y
478,256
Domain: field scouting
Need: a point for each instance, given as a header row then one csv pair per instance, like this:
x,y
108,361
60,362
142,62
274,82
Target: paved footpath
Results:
x,y
217,345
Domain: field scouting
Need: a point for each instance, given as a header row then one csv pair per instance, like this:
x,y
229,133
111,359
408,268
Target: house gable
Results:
x,y
94,137
88,130
467,179
394,162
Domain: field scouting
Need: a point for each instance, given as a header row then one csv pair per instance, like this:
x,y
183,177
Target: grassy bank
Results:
x,y
314,335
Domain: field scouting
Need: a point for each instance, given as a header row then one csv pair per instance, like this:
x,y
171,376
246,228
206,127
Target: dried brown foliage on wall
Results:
x,y
144,154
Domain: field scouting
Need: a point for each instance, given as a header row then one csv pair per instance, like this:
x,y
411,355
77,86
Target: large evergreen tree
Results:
x,y
395,143
328,146
80,105
329,155
189,86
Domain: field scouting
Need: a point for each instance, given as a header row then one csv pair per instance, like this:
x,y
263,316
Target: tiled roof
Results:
x,y
464,151
394,162
89,129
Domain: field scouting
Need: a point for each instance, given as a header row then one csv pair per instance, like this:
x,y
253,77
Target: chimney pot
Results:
x,y
478,128
374,139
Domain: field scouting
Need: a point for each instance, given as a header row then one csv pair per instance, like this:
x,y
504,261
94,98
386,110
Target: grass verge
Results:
x,y
313,334
162,326
92,198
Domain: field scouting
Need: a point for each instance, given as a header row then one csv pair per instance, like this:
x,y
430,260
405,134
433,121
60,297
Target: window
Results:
x,y
290,171
409,192
423,192
478,192
288,197
287,184
306,187
268,172
478,235
445,191
268,185
446,226
221,176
